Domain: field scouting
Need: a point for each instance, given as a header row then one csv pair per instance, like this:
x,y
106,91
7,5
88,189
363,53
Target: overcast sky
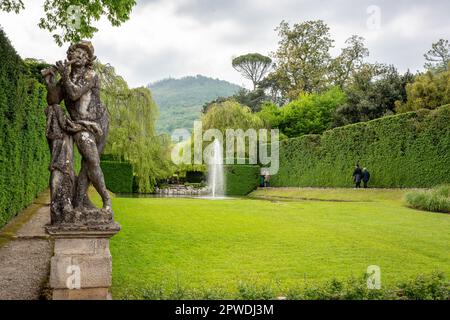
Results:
x,y
187,37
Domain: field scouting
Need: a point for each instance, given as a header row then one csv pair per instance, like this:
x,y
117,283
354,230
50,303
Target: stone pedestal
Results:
x,y
81,267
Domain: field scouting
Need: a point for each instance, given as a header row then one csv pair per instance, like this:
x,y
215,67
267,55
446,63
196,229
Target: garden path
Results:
x,y
25,252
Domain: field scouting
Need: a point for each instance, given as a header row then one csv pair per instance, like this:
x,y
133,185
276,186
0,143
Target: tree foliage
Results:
x,y
438,57
11,5
372,92
252,66
429,91
350,60
72,20
310,113
132,129
230,115
302,58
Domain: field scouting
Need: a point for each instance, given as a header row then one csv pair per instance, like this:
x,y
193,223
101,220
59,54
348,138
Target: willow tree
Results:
x,y
230,117
72,20
132,136
252,66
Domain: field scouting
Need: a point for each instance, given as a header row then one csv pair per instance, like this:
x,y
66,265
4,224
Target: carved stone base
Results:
x,y
83,216
81,268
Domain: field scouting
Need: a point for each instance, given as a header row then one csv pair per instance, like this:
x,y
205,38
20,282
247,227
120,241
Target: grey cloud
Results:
x,y
144,67
204,34
252,25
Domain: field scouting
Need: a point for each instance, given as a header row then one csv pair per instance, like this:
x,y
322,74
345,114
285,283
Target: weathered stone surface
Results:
x,y
87,126
92,246
81,267
95,271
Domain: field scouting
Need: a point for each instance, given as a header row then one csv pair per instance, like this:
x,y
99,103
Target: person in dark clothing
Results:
x,y
261,181
267,180
357,176
365,177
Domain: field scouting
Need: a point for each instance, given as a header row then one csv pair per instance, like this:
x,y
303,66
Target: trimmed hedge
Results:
x,y
240,180
406,150
118,176
24,152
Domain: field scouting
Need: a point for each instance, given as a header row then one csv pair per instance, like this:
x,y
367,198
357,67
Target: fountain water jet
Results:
x,y
215,171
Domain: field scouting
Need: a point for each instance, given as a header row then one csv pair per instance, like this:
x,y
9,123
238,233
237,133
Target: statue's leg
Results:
x,y
82,185
100,146
91,162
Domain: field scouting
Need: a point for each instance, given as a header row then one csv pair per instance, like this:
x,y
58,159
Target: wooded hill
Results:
x,y
180,100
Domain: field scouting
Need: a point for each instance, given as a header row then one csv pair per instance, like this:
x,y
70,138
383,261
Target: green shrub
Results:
x,y
254,291
426,287
242,179
406,150
118,176
434,286
436,199
24,152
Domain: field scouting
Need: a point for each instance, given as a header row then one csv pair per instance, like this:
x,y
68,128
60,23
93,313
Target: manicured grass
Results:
x,y
331,194
210,244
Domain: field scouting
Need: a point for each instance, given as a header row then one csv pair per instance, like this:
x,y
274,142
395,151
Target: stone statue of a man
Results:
x,y
79,88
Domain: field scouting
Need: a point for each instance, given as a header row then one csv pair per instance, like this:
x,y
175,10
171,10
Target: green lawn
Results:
x,y
210,244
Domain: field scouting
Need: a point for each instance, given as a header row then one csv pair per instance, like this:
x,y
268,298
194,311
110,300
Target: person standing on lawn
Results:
x,y
267,180
365,177
357,176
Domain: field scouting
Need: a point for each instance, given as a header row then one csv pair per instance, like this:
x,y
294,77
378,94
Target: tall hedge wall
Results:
x,y
24,153
406,150
118,176
241,179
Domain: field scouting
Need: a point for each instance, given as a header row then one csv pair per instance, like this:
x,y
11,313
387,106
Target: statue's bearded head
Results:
x,y
81,54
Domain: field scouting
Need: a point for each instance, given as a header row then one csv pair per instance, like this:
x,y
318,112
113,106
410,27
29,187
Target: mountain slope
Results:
x,y
180,100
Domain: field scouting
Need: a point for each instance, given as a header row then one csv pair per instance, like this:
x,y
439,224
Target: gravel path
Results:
x,y
25,252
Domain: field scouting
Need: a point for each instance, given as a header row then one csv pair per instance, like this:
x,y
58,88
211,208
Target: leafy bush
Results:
x,y
436,199
433,286
24,152
406,150
426,287
118,176
241,179
310,113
